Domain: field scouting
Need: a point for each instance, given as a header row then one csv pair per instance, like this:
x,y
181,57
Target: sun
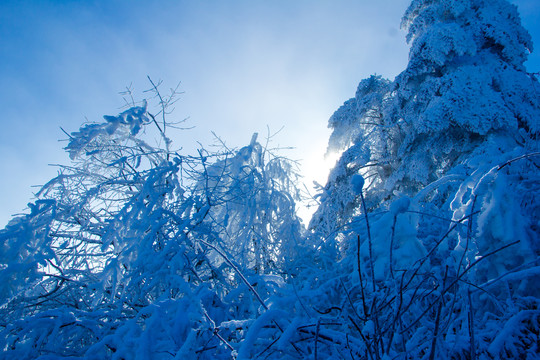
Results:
x,y
315,170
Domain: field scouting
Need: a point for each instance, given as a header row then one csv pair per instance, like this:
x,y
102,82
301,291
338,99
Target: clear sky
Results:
x,y
244,65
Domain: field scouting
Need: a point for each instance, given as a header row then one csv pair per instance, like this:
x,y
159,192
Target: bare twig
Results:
x,y
244,280
369,241
317,337
458,278
360,276
437,321
471,327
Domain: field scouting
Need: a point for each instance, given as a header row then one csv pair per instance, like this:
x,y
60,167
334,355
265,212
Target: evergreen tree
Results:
x,y
448,166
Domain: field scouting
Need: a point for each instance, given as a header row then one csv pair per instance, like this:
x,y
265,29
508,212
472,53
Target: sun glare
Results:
x,y
316,168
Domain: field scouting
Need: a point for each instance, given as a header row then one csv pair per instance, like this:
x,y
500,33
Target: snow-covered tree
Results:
x,y
130,252
447,215
465,80
425,245
252,198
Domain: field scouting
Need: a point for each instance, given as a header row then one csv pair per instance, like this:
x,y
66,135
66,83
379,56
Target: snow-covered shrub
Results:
x,y
135,251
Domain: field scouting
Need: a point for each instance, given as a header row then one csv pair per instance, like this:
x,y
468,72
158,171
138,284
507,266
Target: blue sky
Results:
x,y
243,65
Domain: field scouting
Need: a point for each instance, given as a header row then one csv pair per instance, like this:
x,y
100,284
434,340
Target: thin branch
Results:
x,y
370,243
458,278
244,280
